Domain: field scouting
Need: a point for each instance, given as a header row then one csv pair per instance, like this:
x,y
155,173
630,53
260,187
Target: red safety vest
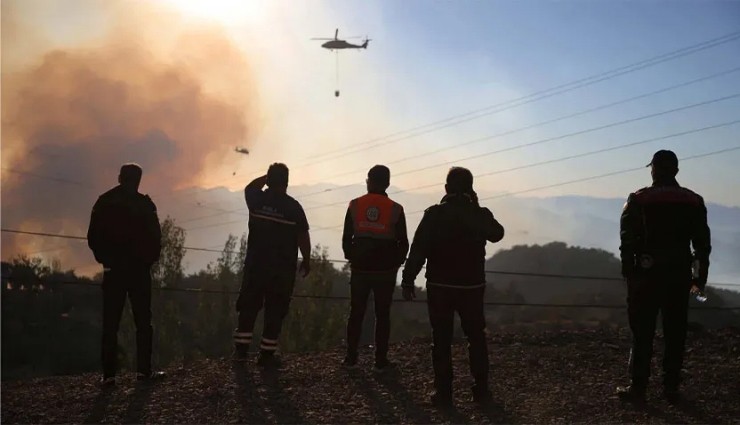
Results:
x,y
374,216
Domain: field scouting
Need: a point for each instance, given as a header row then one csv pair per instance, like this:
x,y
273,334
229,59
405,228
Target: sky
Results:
x,y
409,100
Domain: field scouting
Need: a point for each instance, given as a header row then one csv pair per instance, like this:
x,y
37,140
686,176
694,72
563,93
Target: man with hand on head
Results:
x,y
277,230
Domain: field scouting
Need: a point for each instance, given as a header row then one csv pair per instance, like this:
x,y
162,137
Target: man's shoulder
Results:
x,y
434,209
111,193
293,203
146,201
396,204
111,197
666,194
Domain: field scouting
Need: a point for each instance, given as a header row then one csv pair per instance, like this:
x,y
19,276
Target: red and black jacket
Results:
x,y
374,238
659,226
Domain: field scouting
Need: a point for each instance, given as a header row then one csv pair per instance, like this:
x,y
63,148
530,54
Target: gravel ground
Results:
x,y
544,377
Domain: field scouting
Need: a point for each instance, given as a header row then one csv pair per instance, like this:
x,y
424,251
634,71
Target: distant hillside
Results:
x,y
577,220
563,377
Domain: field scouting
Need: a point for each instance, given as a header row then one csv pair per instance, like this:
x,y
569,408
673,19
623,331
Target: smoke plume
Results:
x,y
173,98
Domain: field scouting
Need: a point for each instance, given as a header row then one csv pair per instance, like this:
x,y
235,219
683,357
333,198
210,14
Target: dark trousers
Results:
x,y
443,302
136,283
274,294
646,296
382,286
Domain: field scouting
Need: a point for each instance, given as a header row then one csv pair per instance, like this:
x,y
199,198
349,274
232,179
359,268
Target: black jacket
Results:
x,y
658,227
368,255
452,239
124,229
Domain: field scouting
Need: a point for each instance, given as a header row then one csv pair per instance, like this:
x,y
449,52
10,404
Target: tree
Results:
x,y
166,312
168,271
315,324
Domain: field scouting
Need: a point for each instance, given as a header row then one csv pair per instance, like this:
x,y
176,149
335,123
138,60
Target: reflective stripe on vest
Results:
x,y
374,216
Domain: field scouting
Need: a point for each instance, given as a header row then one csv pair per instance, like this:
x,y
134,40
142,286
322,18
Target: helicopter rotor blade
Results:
x,y
321,39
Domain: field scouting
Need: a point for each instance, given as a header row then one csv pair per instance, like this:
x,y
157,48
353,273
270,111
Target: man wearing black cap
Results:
x,y
277,230
659,226
125,237
375,243
452,239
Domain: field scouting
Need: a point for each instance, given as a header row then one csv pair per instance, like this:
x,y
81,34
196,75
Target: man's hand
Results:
x,y
305,267
408,292
695,289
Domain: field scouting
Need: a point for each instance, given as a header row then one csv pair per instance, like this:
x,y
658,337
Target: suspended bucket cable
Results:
x,y
336,55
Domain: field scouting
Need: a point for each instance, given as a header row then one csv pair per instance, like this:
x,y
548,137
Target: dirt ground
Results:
x,y
545,377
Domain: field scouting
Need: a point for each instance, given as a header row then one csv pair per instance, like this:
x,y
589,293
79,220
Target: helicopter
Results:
x,y
336,44
245,151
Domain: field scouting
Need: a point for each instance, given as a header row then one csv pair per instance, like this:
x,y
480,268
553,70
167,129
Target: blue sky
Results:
x,y
440,59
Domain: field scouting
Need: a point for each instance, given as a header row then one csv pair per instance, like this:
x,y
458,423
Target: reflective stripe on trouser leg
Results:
x,y
242,338
269,344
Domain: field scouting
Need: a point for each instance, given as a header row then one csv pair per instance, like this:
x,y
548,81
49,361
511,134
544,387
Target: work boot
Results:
x,y
108,381
350,361
631,393
441,399
269,360
482,395
384,365
672,394
240,355
150,377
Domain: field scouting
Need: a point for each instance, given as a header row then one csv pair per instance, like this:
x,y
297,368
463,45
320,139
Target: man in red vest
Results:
x,y
375,243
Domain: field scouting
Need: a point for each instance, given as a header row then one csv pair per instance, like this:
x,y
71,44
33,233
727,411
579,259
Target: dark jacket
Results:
x,y
275,222
452,239
368,254
124,229
658,227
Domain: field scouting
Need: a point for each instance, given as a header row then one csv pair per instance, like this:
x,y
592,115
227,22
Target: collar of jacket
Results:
x,y
457,198
671,181
274,192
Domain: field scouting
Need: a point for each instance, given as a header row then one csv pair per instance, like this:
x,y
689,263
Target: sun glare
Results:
x,y
227,12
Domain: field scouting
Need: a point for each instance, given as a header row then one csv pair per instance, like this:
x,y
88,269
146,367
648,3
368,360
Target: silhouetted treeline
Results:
x,y
51,318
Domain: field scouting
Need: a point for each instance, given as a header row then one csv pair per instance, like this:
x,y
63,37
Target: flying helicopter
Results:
x,y
336,44
245,151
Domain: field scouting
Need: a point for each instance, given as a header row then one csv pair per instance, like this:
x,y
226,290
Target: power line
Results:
x,y
346,298
520,146
550,139
526,99
579,180
560,159
541,123
83,238
493,272
542,94
45,177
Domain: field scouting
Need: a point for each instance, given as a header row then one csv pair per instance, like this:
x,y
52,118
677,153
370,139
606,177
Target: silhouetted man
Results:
x,y
125,236
375,243
452,239
659,224
277,229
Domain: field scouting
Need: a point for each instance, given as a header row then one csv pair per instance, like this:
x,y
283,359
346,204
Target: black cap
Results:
x,y
380,174
664,159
